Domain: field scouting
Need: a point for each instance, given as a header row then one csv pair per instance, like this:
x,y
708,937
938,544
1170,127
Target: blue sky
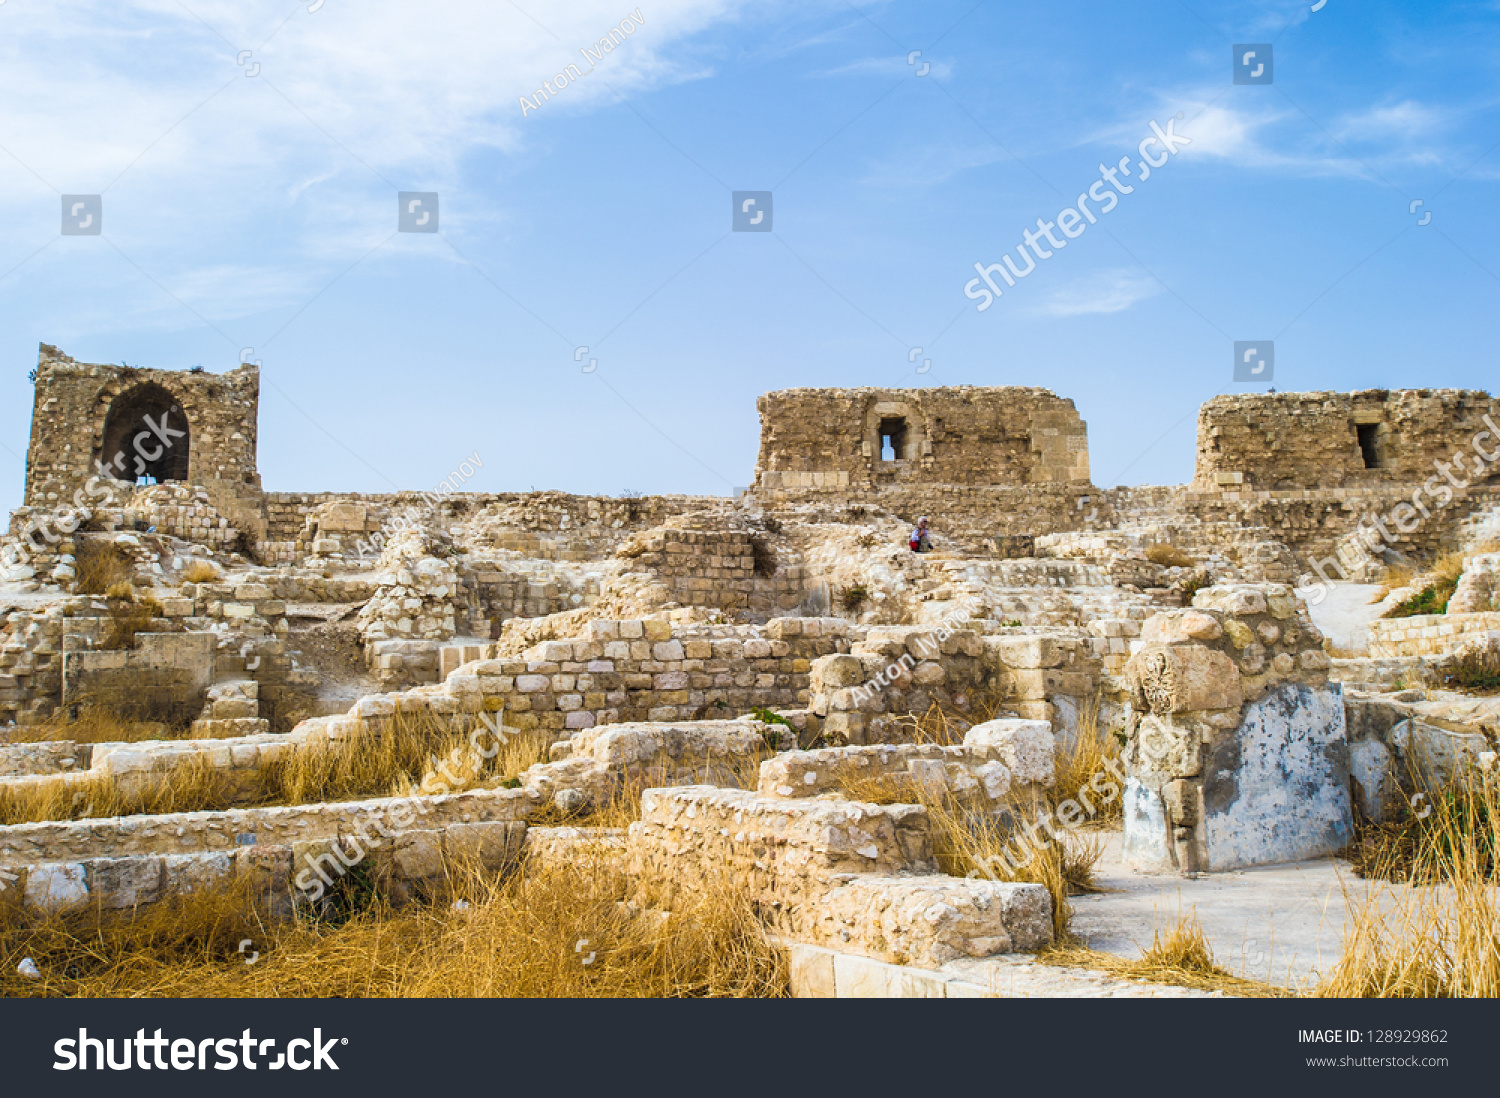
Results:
x,y
260,212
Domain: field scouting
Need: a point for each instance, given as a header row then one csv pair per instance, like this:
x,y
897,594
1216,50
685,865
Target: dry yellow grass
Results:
x,y
98,565
92,723
1438,937
1180,957
558,930
1183,947
1396,577
970,840
129,613
946,724
201,571
387,758
1092,750
405,755
970,843
1168,556
192,785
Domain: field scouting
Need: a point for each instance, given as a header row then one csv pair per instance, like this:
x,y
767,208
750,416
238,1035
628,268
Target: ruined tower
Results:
x,y
137,425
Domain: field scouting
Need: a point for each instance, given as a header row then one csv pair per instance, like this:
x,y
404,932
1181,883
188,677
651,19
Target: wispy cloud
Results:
x,y
146,102
893,66
1107,291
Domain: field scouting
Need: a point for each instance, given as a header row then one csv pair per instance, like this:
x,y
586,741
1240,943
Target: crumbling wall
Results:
x,y
853,876
896,671
832,438
649,671
1326,440
30,665
1428,634
1236,748
73,401
164,672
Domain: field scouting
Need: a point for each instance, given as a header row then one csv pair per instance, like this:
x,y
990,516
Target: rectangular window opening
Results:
x,y
893,439
1367,446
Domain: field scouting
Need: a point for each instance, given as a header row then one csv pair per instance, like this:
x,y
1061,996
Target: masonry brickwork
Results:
x,y
1275,441
862,438
89,418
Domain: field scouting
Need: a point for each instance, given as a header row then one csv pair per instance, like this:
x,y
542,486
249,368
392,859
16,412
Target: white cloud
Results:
x,y
894,67
242,192
1109,291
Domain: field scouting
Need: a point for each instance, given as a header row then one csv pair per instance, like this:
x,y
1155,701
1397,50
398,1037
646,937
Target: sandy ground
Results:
x,y
1345,613
1281,924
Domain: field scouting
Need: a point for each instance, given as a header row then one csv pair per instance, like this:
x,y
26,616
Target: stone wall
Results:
x,y
1002,766
31,665
1325,439
279,878
192,832
547,525
899,670
648,671
832,438
165,672
1427,634
72,425
1236,748
855,876
724,569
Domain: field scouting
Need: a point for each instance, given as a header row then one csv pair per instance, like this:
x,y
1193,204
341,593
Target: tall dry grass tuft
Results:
x,y
201,571
84,721
1436,937
1181,958
386,757
193,784
945,724
556,930
1168,556
1184,948
970,839
970,842
98,565
129,613
1091,752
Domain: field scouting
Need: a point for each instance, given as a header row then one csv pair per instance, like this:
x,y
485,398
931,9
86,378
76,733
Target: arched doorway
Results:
x,y
145,435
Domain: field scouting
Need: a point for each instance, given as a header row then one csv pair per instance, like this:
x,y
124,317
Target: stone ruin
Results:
x,y
751,663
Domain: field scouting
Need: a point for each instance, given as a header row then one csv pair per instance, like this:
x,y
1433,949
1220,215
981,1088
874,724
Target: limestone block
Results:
x,y
667,651
1235,598
55,887
839,670
1176,626
1179,678
116,883
1027,748
1027,652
